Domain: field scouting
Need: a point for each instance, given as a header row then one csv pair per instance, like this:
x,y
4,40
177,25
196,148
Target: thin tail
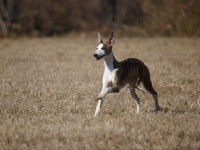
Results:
x,y
138,82
136,86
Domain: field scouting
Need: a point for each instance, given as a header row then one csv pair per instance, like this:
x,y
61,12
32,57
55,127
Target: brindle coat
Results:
x,y
129,72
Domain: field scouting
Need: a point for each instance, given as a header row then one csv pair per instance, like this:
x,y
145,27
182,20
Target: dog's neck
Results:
x,y
110,62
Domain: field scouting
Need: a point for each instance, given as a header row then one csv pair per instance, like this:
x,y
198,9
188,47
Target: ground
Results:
x,y
48,88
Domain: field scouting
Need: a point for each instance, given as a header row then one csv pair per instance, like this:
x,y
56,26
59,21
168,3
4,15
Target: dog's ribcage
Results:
x,y
129,70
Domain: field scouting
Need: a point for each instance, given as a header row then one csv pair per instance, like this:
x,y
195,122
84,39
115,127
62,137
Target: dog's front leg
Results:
x,y
101,96
100,99
98,107
107,90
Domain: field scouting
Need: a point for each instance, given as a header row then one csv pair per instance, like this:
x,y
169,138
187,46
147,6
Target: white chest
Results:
x,y
109,71
110,75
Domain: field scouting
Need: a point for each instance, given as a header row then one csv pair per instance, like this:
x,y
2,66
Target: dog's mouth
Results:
x,y
98,57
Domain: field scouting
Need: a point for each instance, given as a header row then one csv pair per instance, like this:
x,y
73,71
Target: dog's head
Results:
x,y
104,49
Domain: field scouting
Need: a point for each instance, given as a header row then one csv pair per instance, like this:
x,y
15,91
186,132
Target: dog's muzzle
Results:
x,y
98,57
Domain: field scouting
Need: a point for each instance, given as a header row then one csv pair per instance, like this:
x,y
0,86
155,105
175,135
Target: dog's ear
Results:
x,y
99,39
111,39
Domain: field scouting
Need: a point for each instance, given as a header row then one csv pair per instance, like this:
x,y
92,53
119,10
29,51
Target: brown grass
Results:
x,y
48,86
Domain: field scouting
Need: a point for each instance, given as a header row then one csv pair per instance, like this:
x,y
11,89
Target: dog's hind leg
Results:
x,y
131,88
148,86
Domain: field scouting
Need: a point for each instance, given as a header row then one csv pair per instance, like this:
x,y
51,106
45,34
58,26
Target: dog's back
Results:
x,y
129,70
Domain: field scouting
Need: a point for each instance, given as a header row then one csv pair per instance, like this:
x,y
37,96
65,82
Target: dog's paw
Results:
x,y
159,109
98,98
115,90
162,109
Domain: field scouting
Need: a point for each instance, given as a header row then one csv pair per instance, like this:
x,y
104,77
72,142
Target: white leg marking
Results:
x,y
107,90
98,107
132,91
103,92
137,103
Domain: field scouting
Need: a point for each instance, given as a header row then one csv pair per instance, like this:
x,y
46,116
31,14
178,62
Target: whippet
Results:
x,y
116,75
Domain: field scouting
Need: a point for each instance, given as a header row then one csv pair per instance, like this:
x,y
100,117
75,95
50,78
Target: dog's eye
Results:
x,y
103,48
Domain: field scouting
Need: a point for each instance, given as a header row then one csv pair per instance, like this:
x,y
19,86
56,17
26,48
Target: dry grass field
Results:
x,y
48,87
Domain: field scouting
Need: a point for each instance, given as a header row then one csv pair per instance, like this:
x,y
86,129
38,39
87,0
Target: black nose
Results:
x,y
95,55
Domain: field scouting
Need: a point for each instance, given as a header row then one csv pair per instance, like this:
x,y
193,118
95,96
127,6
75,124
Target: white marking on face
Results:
x,y
100,51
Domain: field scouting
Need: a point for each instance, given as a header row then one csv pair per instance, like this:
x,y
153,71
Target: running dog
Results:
x,y
117,75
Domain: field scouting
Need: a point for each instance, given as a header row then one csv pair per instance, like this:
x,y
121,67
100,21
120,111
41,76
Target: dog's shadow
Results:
x,y
166,110
161,110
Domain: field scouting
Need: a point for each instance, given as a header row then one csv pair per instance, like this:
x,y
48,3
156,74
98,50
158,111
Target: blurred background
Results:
x,y
128,17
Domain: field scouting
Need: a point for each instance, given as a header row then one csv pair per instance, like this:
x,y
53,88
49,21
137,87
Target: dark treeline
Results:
x,y
130,17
